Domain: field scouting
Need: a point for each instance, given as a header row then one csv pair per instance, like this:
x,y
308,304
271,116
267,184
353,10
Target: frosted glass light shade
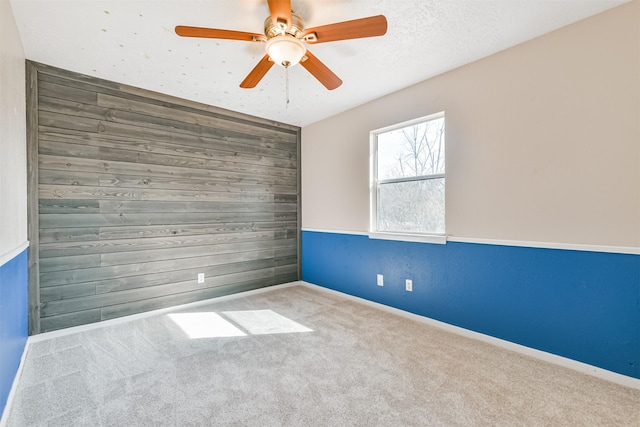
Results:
x,y
285,50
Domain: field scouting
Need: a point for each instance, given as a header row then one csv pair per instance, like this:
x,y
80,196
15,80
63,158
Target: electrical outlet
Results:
x,y
380,280
200,277
409,285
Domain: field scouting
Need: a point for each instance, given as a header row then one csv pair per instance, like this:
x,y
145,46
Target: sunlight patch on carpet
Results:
x,y
205,325
263,322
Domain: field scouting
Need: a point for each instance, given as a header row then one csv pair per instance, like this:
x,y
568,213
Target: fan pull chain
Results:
x,y
286,77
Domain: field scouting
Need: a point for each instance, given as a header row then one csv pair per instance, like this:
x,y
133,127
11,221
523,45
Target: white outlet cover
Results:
x,y
380,280
200,277
409,285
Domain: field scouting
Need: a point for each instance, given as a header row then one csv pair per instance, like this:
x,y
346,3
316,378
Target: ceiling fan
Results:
x,y
285,41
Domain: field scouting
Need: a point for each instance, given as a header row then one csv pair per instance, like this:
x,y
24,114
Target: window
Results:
x,y
408,175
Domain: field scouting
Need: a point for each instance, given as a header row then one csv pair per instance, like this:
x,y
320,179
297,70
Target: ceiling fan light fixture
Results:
x,y
286,38
285,50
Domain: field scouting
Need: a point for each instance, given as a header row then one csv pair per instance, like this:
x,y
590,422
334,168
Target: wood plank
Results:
x,y
75,95
66,177
152,279
241,142
129,232
142,95
81,192
285,252
244,154
69,101
187,297
214,185
62,121
100,273
285,216
54,249
172,115
55,293
130,168
61,206
137,206
148,142
71,234
61,306
287,234
136,257
63,149
245,276
105,220
111,124
61,141
281,261
286,198
69,262
53,308
286,278
287,269
182,298
275,225
61,99
48,324
63,177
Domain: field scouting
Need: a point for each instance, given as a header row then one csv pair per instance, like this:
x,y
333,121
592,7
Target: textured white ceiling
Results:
x,y
133,42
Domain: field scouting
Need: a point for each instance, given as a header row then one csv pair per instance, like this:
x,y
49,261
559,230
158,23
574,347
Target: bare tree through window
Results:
x,y
410,177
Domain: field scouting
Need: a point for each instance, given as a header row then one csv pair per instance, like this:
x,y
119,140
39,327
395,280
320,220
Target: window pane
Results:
x,y
414,206
414,150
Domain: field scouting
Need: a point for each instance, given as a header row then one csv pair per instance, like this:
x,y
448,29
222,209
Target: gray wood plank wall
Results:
x,y
138,192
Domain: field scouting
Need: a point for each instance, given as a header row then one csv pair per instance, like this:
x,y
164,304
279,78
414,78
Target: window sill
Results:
x,y
440,239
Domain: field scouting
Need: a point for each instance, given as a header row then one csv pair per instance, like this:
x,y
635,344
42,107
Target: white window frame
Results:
x,y
374,187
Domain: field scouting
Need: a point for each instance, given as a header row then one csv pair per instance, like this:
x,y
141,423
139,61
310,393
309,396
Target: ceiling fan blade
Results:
x,y
257,73
355,29
321,71
281,13
213,33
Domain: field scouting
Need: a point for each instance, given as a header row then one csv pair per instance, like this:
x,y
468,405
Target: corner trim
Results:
x,y
326,230
4,416
574,365
439,239
549,245
33,227
631,250
8,256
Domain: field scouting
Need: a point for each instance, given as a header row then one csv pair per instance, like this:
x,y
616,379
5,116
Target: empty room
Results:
x,y
319,213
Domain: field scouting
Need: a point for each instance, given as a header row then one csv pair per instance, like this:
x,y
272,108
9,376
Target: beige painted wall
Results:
x,y
543,141
13,162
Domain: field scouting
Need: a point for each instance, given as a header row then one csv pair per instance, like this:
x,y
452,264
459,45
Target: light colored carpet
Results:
x,y
300,356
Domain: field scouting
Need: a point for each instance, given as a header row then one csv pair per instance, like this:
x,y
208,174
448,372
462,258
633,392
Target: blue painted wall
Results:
x,y
576,304
13,320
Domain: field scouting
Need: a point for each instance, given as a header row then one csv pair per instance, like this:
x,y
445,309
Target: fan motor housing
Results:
x,y
272,29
